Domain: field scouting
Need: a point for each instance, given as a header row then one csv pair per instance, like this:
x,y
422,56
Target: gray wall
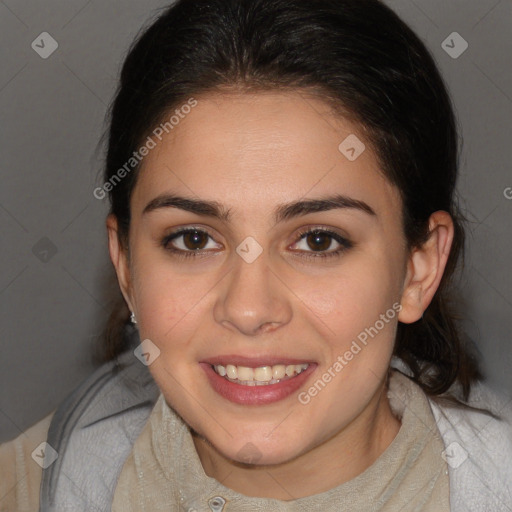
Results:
x,y
54,256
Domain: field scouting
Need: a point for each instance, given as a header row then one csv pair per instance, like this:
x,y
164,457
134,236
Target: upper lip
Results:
x,y
253,362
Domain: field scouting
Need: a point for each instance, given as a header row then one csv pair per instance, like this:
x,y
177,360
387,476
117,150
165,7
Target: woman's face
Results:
x,y
247,291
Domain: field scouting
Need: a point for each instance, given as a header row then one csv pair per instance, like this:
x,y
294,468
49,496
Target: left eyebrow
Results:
x,y
282,212
337,201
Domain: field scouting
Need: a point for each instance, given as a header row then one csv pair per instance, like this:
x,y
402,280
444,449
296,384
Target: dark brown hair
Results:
x,y
358,56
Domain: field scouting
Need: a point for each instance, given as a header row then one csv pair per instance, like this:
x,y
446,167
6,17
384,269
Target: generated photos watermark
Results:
x,y
143,151
342,360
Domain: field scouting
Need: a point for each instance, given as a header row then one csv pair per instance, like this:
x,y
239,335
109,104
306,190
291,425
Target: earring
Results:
x,y
133,320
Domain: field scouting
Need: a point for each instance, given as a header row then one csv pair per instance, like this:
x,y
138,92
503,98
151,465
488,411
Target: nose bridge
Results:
x,y
252,297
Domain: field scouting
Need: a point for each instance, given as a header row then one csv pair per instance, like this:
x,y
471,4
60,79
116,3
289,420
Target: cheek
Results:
x,y
356,321
323,304
167,302
348,302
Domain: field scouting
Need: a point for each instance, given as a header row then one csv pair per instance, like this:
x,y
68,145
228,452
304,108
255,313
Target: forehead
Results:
x,y
261,149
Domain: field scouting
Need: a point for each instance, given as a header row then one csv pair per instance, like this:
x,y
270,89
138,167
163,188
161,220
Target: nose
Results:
x,y
253,299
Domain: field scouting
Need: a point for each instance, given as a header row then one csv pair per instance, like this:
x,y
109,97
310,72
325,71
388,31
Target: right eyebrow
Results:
x,y
197,206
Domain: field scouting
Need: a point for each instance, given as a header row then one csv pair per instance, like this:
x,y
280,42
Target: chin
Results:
x,y
254,454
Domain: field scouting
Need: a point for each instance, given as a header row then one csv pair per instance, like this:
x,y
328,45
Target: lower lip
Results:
x,y
256,395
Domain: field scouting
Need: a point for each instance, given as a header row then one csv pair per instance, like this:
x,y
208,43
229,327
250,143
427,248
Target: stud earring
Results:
x,y
133,320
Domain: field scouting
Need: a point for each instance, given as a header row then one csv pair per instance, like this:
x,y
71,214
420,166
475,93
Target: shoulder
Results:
x,y
478,449
478,429
93,431
21,466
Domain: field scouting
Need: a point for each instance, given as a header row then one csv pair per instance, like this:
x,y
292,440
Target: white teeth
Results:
x,y
278,371
290,370
231,371
259,376
263,374
244,373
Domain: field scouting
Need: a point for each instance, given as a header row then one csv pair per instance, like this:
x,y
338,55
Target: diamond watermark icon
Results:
x,y
249,454
44,455
351,147
454,45
44,45
44,249
147,352
249,249
454,455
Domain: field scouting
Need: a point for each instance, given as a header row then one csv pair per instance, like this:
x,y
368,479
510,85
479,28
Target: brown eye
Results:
x,y
188,242
318,241
194,240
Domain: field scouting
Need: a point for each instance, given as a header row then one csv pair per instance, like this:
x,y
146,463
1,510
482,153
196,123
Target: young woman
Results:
x,y
284,232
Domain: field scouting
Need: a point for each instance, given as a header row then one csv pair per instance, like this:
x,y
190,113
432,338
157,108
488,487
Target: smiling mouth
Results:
x,y
261,376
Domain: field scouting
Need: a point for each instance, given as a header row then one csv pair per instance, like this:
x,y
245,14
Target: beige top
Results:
x,y
20,475
164,472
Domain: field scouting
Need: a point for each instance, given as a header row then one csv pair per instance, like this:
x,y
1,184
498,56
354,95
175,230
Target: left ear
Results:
x,y
425,268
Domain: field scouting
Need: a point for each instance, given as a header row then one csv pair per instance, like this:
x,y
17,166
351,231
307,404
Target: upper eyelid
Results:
x,y
183,231
323,229
340,238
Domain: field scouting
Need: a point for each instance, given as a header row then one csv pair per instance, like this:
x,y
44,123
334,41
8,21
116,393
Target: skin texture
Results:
x,y
251,153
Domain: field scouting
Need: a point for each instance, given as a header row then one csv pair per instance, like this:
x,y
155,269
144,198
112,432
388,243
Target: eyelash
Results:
x,y
198,253
344,243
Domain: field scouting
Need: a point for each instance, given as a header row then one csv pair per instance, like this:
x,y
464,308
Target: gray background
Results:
x,y
53,306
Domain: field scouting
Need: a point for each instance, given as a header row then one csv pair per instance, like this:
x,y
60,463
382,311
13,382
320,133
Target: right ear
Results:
x,y
119,259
